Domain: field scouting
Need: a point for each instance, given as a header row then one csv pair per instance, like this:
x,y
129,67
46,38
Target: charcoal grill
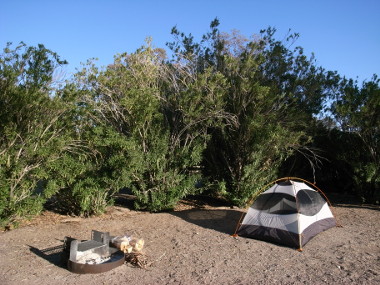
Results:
x,y
92,256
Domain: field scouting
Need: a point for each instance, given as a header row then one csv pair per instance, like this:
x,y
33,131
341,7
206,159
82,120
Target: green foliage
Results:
x,y
244,152
30,127
86,180
290,72
231,112
160,123
357,112
348,143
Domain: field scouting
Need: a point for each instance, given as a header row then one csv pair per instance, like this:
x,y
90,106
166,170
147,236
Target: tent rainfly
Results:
x,y
288,213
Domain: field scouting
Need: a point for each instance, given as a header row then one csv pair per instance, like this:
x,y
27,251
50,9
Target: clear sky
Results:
x,y
343,34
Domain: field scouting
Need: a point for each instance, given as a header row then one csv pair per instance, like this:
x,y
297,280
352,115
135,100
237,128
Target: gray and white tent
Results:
x,y
288,213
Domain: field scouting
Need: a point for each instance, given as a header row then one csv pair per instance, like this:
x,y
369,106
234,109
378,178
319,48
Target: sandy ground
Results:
x,y
192,245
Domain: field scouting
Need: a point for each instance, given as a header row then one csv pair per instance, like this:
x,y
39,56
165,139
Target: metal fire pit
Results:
x,y
92,256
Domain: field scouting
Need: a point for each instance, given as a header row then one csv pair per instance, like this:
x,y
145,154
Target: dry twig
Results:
x,y
137,259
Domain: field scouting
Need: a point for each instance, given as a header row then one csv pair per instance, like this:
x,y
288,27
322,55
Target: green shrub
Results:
x,y
30,128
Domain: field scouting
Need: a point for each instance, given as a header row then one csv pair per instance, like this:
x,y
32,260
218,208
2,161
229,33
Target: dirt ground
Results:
x,y
192,245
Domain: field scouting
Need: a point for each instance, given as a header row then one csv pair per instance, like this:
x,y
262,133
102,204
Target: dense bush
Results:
x,y
225,113
160,113
271,92
32,133
346,143
356,111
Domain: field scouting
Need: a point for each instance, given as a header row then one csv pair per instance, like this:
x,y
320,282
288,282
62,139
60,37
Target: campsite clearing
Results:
x,y
193,246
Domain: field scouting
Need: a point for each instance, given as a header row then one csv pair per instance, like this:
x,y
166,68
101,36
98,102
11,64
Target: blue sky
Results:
x,y
344,35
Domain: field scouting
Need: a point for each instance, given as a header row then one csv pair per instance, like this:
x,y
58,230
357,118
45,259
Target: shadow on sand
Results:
x,y
350,201
55,255
221,220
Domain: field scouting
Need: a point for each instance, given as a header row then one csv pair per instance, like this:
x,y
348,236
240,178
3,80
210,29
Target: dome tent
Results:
x,y
288,213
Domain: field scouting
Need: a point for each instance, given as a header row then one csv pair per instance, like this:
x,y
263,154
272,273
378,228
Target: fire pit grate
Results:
x,y
92,256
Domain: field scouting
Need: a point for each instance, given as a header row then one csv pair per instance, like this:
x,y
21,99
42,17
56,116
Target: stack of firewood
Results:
x,y
132,249
128,244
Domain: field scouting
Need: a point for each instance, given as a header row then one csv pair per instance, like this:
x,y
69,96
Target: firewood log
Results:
x,y
120,242
127,249
124,246
137,244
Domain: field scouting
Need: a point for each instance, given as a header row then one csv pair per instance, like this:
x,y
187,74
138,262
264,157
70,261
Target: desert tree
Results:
x,y
31,128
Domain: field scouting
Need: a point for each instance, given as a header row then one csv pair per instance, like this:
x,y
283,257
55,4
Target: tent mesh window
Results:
x,y
276,203
309,202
